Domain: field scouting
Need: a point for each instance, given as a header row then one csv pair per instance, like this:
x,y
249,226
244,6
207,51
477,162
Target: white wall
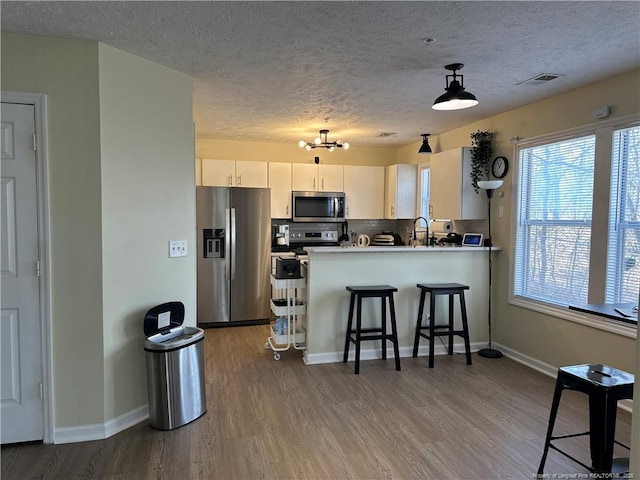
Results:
x,y
148,198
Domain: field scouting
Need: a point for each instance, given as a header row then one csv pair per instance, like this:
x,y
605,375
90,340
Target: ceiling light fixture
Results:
x,y
425,147
322,142
456,98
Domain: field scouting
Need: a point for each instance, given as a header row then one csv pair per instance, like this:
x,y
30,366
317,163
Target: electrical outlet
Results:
x,y
177,248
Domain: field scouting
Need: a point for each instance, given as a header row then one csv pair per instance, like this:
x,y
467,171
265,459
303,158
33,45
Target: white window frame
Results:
x,y
604,140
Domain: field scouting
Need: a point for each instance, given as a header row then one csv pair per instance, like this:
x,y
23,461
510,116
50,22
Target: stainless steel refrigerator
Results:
x,y
234,255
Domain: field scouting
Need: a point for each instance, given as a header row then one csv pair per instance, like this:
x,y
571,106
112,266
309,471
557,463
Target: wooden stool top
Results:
x,y
599,375
442,287
371,289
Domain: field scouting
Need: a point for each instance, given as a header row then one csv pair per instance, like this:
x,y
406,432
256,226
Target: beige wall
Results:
x,y
548,339
120,175
148,198
278,152
67,72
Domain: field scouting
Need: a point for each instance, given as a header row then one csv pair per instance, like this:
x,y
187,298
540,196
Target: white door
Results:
x,y
21,403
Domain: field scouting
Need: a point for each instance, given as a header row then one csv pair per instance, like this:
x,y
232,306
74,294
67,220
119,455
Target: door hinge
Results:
x,y
41,391
35,143
37,268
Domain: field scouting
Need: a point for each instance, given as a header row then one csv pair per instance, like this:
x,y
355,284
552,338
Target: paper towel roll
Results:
x,y
441,227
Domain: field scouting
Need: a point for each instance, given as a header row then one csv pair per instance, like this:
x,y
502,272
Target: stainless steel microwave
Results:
x,y
318,206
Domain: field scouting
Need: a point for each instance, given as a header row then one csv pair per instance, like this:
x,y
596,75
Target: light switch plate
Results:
x,y
177,248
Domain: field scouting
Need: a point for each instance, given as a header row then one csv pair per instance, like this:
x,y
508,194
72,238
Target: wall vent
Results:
x,y
540,79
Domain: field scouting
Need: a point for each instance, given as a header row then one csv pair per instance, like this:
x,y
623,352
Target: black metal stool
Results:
x,y
605,386
435,289
383,292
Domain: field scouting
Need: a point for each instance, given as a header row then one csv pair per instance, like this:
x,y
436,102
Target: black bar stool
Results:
x,y
605,386
383,292
435,289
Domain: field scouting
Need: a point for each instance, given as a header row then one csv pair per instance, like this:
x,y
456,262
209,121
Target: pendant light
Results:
x,y
455,98
322,142
425,147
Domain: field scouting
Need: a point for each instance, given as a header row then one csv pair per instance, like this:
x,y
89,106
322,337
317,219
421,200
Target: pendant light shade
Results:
x,y
455,97
425,147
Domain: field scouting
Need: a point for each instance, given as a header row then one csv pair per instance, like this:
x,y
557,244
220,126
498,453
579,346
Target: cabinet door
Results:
x,y
452,196
251,174
363,189
280,183
330,178
391,181
304,177
406,187
445,181
218,173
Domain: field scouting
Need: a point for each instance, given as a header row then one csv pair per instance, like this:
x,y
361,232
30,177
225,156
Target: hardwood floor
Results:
x,y
269,419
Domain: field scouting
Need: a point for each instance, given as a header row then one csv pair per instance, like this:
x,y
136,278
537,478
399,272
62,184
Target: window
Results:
x,y
623,254
553,237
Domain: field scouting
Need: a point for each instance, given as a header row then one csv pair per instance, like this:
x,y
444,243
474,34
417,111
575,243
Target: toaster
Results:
x,y
383,239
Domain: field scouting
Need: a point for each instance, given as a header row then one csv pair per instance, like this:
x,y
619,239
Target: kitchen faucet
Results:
x,y
414,230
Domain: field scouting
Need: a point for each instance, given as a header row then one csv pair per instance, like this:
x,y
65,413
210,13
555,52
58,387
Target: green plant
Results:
x,y
481,150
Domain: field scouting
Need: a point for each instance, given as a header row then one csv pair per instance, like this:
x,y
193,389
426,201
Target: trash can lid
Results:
x,y
174,339
163,318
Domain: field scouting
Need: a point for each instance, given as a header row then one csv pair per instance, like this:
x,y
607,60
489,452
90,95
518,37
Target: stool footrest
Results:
x,y
459,333
373,337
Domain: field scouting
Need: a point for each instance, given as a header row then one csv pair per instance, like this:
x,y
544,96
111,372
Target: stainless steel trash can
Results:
x,y
175,367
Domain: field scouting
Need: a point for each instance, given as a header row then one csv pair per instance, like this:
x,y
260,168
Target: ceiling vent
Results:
x,y
385,134
540,79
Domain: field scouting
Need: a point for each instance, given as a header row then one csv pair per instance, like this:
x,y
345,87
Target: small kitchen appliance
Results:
x,y
317,206
282,235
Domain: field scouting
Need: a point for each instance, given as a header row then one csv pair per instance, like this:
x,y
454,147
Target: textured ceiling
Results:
x,y
276,71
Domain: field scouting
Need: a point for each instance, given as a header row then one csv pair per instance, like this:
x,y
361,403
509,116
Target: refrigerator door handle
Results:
x,y
233,244
227,244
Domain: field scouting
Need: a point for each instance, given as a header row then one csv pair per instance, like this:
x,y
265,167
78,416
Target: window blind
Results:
x,y
553,236
623,253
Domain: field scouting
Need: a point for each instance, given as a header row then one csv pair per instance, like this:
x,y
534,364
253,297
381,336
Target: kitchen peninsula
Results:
x,y
331,269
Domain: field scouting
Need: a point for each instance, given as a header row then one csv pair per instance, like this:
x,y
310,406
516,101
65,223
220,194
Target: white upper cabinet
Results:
x,y
280,184
400,191
218,173
231,173
251,174
364,192
320,178
451,194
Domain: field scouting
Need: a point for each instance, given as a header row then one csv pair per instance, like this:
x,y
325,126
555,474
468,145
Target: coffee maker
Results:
x,y
282,236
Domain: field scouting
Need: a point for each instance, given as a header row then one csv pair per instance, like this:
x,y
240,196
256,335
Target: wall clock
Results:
x,y
500,167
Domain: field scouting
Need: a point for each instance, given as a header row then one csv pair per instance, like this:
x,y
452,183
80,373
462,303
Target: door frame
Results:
x,y
39,102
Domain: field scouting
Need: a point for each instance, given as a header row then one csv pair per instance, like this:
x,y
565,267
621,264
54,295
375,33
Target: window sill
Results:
x,y
594,321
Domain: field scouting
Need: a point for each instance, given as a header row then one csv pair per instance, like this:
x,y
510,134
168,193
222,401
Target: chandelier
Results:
x,y
322,142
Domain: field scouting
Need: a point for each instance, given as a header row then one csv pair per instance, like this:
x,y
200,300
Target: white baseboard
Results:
x,y
375,353
547,369
98,431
